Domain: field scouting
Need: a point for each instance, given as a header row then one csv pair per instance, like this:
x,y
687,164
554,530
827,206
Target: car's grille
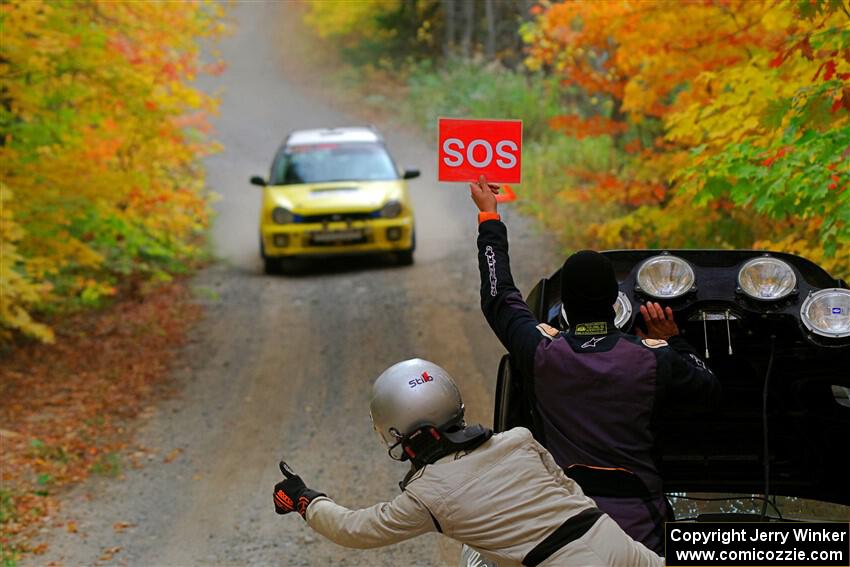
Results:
x,y
362,240
337,217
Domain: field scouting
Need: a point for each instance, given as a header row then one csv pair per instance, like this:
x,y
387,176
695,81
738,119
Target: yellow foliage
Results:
x,y
343,18
17,291
102,133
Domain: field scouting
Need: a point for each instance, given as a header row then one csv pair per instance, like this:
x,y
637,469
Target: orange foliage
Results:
x,y
578,127
666,76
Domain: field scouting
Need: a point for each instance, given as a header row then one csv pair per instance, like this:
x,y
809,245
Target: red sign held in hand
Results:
x,y
470,148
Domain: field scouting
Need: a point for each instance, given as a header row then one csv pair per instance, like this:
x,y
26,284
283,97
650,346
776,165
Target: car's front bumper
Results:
x,y
335,238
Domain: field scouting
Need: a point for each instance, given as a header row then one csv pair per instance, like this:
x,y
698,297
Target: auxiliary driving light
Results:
x,y
282,216
766,278
827,312
622,310
391,210
393,233
281,240
665,277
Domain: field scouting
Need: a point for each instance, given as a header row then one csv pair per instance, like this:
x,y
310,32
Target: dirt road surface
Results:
x,y
282,366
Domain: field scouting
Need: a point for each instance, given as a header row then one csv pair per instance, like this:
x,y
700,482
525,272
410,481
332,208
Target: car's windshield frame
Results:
x,y
278,174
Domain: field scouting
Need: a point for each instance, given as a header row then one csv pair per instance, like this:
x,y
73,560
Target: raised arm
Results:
x,y
502,303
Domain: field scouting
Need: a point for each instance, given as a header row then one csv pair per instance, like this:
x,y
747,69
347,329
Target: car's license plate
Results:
x,y
337,236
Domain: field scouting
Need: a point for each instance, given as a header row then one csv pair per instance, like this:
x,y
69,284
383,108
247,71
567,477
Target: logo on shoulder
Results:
x,y
654,343
548,331
420,380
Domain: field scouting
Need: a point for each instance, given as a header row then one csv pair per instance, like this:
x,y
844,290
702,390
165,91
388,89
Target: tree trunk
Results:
x,y
468,27
449,11
490,11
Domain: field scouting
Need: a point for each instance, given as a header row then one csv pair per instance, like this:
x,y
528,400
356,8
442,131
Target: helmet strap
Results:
x,y
429,444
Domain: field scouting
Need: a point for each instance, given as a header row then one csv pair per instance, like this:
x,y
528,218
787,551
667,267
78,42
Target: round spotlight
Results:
x,y
665,277
827,312
622,310
282,216
766,278
391,210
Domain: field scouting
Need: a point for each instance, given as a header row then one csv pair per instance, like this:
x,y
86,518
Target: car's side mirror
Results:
x,y
411,173
257,180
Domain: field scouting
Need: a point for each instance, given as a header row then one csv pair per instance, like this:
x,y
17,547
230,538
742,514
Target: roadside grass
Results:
x,y
473,89
9,554
108,465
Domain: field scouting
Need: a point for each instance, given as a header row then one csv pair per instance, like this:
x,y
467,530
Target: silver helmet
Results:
x,y
411,394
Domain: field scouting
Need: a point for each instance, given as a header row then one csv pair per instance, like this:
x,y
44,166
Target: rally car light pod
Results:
x,y
665,277
391,210
282,216
827,313
622,311
766,279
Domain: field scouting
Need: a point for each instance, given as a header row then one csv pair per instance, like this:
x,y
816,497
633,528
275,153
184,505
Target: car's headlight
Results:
x,y
282,216
827,312
622,310
766,278
665,277
391,210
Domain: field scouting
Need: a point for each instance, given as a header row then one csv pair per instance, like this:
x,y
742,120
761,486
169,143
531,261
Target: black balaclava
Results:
x,y
588,288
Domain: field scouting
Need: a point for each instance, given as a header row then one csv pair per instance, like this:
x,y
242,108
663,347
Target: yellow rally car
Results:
x,y
335,191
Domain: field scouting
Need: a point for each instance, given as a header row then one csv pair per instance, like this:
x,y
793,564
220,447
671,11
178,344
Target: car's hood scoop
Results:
x,y
323,198
325,190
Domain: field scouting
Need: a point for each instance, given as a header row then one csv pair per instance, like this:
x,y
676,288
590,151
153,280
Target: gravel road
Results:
x,y
282,366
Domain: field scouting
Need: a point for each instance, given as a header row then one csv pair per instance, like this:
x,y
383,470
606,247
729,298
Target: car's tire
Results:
x,y
271,266
289,266
405,257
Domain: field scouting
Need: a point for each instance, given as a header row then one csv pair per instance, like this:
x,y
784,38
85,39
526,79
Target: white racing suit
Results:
x,y
507,499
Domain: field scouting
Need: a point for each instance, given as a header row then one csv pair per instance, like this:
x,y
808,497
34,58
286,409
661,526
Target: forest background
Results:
x,y
659,124
663,123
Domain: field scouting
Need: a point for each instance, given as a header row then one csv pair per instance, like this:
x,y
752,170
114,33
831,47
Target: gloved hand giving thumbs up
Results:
x,y
292,494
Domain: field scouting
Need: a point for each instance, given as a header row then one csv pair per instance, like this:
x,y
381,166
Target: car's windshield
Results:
x,y
360,161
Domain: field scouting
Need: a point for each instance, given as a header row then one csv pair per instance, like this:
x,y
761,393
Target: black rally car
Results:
x,y
775,329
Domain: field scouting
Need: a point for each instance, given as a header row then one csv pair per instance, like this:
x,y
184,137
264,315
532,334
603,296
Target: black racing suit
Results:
x,y
598,393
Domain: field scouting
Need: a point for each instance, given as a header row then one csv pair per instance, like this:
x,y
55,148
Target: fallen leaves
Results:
x,y
121,527
109,553
173,454
66,410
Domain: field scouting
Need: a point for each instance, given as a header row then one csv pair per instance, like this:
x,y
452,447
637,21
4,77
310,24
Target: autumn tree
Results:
x,y
732,117
101,136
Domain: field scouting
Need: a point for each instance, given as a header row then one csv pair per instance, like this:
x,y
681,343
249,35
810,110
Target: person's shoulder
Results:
x,y
654,343
515,434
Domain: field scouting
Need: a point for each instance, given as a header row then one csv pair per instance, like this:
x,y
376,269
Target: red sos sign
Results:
x,y
470,148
